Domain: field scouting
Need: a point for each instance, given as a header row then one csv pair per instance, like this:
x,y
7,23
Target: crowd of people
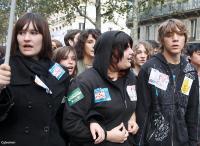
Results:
x,y
99,89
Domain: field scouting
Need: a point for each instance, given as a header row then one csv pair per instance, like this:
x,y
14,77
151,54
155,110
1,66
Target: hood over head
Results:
x,y
104,47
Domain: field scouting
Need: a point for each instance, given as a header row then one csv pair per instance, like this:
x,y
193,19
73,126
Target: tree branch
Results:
x,y
83,15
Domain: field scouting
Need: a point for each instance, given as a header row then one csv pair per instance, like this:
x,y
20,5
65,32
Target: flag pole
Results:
x,y
10,27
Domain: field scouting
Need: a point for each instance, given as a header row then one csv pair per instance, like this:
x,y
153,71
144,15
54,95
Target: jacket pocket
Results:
x,y
182,132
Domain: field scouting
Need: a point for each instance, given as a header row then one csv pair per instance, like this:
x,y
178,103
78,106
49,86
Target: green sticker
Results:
x,y
74,96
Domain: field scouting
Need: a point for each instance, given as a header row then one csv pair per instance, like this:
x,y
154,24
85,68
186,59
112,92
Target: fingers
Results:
x,y
100,136
5,74
135,129
132,127
120,126
97,132
93,132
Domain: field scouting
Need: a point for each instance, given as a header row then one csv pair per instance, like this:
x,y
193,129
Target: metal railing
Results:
x,y
166,9
170,8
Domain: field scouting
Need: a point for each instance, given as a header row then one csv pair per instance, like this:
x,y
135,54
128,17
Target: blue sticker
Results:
x,y
101,95
57,71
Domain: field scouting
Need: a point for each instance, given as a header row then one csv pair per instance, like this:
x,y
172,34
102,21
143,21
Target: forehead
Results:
x,y
172,29
28,26
90,37
70,53
140,47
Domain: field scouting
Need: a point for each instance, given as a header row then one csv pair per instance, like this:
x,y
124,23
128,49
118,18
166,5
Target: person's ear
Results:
x,y
71,43
189,58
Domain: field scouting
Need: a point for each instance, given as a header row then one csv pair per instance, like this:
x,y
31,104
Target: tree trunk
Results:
x,y
98,14
134,29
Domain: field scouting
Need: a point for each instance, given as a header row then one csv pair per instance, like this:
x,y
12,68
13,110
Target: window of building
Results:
x,y
81,26
193,29
109,28
82,8
138,30
147,32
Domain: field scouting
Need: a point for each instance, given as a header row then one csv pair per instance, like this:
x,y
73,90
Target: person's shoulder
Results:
x,y
149,63
87,75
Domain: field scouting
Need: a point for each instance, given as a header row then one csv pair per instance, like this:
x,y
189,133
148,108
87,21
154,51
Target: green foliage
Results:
x,y
71,8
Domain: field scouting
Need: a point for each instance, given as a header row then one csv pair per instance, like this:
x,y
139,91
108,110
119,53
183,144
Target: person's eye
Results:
x,y
34,32
65,58
74,58
169,34
90,42
198,52
138,52
22,32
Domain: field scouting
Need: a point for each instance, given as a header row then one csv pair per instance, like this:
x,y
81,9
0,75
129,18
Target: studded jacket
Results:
x,y
167,108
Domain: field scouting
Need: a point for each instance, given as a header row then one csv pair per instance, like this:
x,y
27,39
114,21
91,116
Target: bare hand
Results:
x,y
5,75
118,134
98,133
132,127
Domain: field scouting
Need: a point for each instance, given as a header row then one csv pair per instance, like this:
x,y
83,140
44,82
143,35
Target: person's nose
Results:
x,y
26,36
130,50
70,61
175,37
143,54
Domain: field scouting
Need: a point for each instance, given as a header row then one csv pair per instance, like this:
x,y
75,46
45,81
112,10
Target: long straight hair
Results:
x,y
40,25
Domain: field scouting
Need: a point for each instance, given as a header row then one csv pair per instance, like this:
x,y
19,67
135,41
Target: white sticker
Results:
x,y
132,92
160,80
39,82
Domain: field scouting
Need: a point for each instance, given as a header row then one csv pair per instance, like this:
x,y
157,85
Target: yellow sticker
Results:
x,y
186,86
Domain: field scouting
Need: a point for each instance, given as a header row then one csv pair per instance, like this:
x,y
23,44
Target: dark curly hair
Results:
x,y
82,39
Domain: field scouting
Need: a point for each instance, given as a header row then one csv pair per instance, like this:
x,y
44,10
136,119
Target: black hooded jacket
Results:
x,y
167,116
104,100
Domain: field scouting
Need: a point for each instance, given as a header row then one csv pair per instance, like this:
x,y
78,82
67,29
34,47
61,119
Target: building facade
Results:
x,y
188,11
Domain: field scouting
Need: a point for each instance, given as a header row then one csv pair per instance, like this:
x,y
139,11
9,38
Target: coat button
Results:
x,y
46,129
50,105
29,105
26,130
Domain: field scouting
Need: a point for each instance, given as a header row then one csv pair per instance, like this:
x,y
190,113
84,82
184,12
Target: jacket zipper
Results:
x,y
174,82
125,103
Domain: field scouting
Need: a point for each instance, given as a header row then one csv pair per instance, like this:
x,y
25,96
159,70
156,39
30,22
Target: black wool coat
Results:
x,y
28,113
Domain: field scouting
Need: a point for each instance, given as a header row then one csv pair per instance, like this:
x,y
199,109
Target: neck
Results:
x,y
136,69
173,59
198,70
112,75
87,60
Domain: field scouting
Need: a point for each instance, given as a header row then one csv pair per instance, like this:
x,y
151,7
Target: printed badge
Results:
x,y
132,92
160,80
186,86
101,95
39,82
57,71
74,96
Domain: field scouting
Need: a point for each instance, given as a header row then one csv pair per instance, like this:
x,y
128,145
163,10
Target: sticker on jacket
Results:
x,y
101,95
74,96
160,80
186,85
131,92
57,71
39,82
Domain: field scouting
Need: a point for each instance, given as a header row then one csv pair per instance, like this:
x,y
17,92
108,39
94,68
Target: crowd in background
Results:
x,y
99,88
